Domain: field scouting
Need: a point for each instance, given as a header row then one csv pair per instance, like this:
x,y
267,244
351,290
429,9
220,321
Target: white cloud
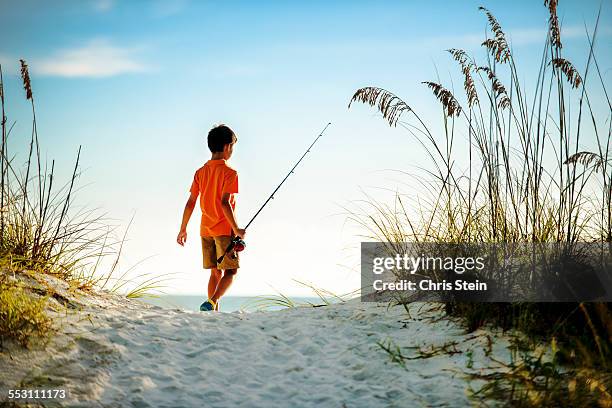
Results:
x,y
233,70
525,36
103,6
98,58
9,65
538,35
167,8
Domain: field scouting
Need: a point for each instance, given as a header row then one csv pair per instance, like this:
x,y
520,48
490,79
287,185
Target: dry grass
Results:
x,y
41,229
387,103
524,176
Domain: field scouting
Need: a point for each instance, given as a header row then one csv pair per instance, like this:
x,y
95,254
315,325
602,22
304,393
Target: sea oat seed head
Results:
x,y
571,73
25,75
446,97
390,105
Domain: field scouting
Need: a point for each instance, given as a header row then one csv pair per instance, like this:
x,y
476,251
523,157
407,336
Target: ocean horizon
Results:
x,y
228,303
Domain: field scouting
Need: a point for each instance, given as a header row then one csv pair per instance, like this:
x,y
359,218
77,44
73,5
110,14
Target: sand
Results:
x,y
115,352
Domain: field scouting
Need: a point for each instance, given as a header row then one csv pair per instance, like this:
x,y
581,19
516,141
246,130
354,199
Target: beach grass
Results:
x,y
43,231
282,301
525,177
23,317
40,229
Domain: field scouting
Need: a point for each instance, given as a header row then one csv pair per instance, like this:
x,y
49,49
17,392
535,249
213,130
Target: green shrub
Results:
x,y
22,314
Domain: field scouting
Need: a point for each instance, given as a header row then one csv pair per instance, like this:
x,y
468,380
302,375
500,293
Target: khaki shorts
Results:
x,y
213,248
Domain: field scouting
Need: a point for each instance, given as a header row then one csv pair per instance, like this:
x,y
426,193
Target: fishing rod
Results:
x,y
237,243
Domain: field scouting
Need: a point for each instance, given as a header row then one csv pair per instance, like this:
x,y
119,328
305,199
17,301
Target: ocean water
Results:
x,y
228,303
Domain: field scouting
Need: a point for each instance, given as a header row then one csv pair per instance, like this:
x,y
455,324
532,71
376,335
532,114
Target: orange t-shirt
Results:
x,y
210,182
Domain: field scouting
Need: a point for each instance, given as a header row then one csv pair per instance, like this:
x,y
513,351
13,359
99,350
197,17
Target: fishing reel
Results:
x,y
238,244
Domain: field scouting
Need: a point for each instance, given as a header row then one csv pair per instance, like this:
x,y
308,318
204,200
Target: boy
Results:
x,y
216,183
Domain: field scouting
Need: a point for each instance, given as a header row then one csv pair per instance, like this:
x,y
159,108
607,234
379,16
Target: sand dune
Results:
x,y
115,352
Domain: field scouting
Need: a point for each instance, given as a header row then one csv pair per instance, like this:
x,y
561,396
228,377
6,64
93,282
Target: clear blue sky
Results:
x,y
138,84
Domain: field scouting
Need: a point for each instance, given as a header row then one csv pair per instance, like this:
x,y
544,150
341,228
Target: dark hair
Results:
x,y
219,136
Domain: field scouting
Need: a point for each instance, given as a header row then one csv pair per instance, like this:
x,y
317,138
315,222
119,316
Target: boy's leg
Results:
x,y
224,284
213,282
209,255
229,266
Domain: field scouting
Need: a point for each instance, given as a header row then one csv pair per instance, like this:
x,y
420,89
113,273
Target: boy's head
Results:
x,y
221,139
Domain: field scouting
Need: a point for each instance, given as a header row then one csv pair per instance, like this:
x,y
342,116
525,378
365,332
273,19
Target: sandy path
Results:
x,y
131,354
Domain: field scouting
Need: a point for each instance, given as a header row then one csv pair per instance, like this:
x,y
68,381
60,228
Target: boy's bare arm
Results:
x,y
229,215
191,202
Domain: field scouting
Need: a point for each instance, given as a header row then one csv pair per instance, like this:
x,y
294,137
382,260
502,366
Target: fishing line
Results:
x,y
237,243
